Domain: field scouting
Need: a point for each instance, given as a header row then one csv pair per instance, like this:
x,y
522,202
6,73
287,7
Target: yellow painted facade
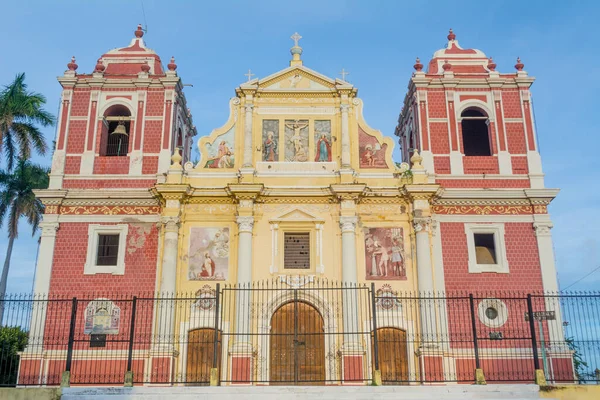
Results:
x,y
295,196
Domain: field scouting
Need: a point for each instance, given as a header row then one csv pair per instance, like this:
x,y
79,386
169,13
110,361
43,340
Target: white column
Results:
x,y
349,280
168,279
244,279
345,137
542,228
41,288
425,278
248,136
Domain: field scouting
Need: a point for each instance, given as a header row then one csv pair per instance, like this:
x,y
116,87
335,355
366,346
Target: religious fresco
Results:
x,y
270,140
102,317
208,256
322,141
370,151
384,254
220,152
296,140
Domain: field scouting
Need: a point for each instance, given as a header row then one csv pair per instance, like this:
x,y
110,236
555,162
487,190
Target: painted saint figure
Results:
x,y
208,267
368,156
384,258
323,149
270,148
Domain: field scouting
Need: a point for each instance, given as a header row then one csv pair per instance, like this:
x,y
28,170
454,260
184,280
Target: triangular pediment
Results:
x,y
297,215
297,78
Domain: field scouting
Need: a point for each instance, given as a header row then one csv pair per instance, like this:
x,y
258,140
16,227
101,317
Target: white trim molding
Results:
x,y
94,230
499,306
497,230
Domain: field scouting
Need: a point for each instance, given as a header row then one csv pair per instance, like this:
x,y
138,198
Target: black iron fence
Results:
x,y
298,331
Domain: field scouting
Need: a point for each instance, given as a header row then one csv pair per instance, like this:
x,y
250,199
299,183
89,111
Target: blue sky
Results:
x,y
215,43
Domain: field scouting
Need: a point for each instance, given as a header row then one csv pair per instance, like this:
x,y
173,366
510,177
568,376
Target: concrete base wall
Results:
x,y
29,393
446,392
571,392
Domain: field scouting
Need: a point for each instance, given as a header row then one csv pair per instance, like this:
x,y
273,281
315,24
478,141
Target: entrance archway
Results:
x,y
393,356
200,356
297,345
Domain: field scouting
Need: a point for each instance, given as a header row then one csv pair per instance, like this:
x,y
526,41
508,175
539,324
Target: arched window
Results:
x,y
115,133
475,133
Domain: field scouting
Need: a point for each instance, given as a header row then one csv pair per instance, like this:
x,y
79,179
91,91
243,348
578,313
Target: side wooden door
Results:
x,y
393,356
200,356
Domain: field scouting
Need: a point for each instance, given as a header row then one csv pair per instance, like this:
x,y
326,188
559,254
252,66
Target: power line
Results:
x,y
583,277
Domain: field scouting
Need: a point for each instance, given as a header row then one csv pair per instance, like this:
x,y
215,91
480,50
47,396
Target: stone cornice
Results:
x,y
351,191
499,194
422,192
242,191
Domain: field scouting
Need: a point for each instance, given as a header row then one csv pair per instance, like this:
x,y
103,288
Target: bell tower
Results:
x,y
120,124
473,125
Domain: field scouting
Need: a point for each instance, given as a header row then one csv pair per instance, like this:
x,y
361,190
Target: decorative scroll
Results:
x,y
109,210
482,210
296,281
206,298
387,298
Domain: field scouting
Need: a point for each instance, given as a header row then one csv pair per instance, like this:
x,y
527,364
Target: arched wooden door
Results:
x,y
393,356
200,356
297,348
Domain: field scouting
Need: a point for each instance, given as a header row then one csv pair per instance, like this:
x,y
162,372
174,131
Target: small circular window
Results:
x,y
492,313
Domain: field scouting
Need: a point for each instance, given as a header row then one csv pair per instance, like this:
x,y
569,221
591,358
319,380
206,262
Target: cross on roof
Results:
x,y
344,73
295,37
249,75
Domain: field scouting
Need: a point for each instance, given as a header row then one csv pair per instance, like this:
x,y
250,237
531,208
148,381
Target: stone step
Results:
x,y
445,392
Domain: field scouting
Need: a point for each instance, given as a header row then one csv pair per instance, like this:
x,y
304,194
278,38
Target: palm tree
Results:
x,y
20,111
18,200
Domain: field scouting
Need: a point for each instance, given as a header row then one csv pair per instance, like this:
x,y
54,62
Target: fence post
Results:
x,y
376,371
479,375
66,376
540,378
214,371
129,372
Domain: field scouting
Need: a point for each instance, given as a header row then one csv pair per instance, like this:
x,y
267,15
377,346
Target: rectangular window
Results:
x,y
297,250
108,249
485,248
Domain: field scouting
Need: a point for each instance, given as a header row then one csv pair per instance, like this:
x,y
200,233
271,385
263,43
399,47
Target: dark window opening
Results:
x,y
117,143
297,250
491,313
108,249
475,133
116,131
485,248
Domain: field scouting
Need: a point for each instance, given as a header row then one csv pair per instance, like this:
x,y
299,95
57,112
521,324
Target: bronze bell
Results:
x,y
120,129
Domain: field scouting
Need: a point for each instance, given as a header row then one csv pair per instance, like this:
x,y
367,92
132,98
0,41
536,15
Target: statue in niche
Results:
x,y
297,139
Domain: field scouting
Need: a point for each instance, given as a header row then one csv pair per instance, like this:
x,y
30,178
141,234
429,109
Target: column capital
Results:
x,y
245,224
422,224
542,228
171,224
248,107
348,224
49,228
345,107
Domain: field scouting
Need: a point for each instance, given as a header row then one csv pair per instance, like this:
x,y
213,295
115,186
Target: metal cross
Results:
x,y
295,37
249,75
344,73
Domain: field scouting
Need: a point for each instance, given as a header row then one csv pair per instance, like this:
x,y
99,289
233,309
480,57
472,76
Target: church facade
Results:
x,y
295,191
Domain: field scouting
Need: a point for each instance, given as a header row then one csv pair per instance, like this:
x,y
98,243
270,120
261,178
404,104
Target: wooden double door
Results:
x,y
297,348
393,356
200,356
